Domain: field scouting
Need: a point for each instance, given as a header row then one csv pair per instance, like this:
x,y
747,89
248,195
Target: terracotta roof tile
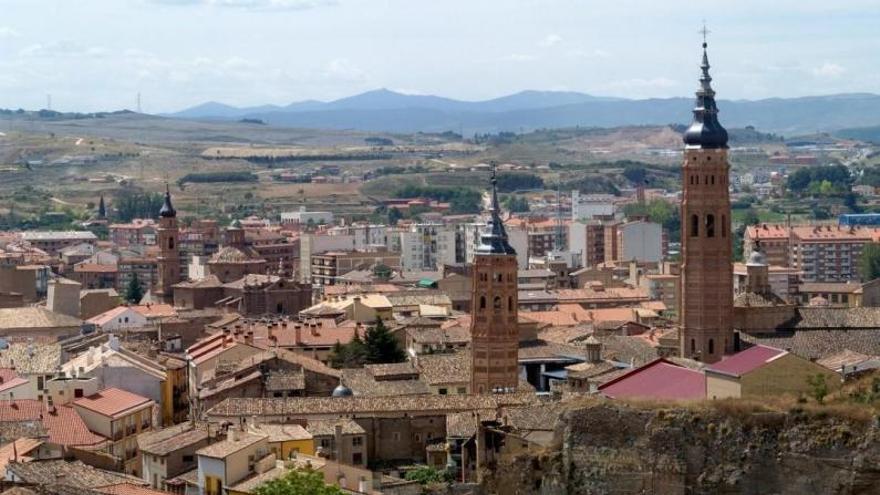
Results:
x,y
113,402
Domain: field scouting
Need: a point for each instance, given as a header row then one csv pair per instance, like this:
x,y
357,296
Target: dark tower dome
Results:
x,y
494,238
341,391
167,211
705,131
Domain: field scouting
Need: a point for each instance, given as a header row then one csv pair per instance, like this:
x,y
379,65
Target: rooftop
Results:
x,y
73,473
746,361
113,402
233,443
659,379
35,317
162,442
323,428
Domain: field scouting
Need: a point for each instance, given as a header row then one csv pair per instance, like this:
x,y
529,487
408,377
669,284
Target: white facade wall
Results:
x,y
586,207
641,241
427,246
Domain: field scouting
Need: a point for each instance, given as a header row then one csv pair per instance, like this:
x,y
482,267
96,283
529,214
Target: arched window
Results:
x,y
170,243
510,303
695,225
482,302
279,308
496,303
693,346
710,225
711,346
723,225
712,179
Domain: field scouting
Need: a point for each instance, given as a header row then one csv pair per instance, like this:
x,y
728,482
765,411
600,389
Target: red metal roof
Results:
x,y
748,360
659,379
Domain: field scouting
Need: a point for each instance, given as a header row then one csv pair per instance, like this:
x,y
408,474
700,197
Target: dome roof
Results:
x,y
705,132
757,258
342,391
167,210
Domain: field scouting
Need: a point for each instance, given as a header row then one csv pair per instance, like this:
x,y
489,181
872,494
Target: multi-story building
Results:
x,y
225,463
170,452
427,246
138,232
327,267
303,217
281,253
120,416
828,253
775,242
665,287
590,206
146,270
53,242
310,244
640,241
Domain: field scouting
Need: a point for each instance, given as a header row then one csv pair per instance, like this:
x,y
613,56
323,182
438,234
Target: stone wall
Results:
x,y
611,448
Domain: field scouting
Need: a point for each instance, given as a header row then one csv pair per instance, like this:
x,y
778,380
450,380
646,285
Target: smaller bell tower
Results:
x,y
169,254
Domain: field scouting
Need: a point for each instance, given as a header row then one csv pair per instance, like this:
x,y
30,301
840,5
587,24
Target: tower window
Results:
x,y
496,303
695,225
712,179
711,346
693,346
509,303
482,302
723,225
710,225
170,243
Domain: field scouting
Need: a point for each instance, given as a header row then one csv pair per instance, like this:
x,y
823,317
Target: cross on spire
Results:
x,y
705,32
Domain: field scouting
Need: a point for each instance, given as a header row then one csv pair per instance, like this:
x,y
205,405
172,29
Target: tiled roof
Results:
x,y
167,440
363,383
831,287
820,344
627,349
451,368
461,425
280,432
540,350
73,473
35,317
322,428
64,425
113,402
746,361
752,299
94,268
536,417
843,358
17,450
837,318
659,379
590,370
285,380
292,406
156,310
129,489
28,359
220,450
453,335
109,315
11,430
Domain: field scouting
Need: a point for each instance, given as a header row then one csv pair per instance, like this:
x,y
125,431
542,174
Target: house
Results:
x,y
342,440
170,452
74,474
227,462
120,416
285,441
763,371
660,379
119,319
60,428
34,362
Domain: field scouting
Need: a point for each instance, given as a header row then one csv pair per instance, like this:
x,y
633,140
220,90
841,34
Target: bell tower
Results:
x,y
706,245
494,315
169,255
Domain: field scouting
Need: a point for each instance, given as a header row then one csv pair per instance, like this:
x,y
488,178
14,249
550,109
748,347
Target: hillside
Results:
x,y
388,111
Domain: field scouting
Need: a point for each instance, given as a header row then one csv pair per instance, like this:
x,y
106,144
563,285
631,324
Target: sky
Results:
x,y
95,55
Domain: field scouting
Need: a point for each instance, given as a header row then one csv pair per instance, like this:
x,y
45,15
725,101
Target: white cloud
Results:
x,y
7,32
344,70
62,49
518,57
596,53
550,40
254,4
828,69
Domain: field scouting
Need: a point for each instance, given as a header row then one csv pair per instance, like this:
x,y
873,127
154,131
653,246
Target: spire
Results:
x,y
167,211
705,131
102,210
494,238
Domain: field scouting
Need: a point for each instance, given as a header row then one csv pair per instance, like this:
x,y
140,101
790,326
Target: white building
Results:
x,y
427,246
366,237
118,319
591,205
305,217
310,244
640,241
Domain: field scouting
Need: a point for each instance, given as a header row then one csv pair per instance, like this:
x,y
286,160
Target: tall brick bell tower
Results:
x,y
706,246
494,331
169,254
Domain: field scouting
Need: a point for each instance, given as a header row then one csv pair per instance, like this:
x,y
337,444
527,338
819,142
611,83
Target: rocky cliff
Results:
x,y
724,448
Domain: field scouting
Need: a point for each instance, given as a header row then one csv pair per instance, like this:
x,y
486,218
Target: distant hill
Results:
x,y
871,133
389,111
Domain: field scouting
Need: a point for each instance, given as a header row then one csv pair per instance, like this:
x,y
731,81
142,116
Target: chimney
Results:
x,y
337,442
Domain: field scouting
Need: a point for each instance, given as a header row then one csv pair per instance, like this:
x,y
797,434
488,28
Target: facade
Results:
x,y
587,207
53,242
138,232
427,246
706,270
311,218
494,329
169,260
775,242
640,241
327,267
170,452
828,253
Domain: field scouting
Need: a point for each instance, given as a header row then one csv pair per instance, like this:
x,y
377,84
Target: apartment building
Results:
x,y
327,267
427,246
826,253
138,232
774,240
53,242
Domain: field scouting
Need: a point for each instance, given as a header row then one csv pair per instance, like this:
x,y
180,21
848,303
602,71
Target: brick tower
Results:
x,y
494,331
169,255
706,245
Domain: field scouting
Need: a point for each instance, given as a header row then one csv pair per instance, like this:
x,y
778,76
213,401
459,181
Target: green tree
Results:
x,y
381,346
351,355
426,475
134,291
298,482
869,264
818,387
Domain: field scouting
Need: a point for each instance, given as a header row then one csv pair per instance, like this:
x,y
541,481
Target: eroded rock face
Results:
x,y
612,448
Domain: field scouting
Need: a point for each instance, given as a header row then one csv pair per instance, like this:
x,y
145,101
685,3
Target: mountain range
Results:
x,y
388,111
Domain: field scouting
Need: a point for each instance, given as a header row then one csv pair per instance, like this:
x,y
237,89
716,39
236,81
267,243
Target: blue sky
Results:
x,y
98,54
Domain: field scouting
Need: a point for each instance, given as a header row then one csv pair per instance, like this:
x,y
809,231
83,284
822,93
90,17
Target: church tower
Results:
x,y
706,245
169,255
494,330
